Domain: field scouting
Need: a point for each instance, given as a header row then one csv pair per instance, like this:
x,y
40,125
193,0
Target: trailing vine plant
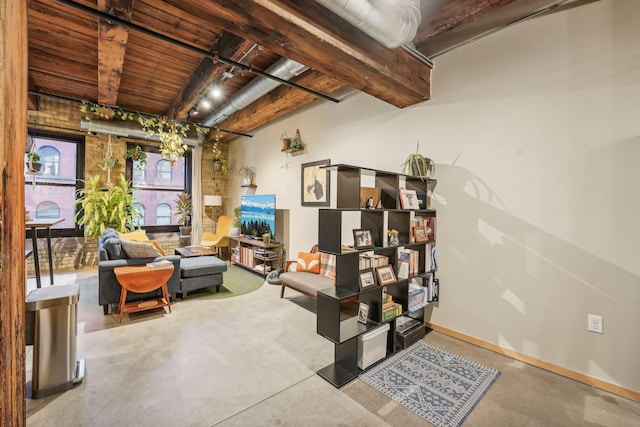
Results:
x,y
170,132
219,162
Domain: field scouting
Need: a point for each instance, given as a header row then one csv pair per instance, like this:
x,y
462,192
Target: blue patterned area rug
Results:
x,y
441,387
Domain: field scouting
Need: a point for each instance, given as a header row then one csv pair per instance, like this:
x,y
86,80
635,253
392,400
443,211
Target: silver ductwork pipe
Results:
x,y
132,130
284,68
392,23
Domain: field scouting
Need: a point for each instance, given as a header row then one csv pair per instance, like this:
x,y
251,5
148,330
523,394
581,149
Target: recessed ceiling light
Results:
x,y
216,92
205,104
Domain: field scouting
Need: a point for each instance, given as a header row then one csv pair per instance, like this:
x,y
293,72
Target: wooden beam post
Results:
x,y
13,136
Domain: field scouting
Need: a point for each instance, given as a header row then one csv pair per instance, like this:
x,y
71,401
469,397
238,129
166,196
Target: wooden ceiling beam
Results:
x,y
279,102
112,45
451,23
312,35
227,45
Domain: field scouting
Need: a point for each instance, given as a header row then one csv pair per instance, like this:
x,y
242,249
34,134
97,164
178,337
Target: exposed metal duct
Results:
x,y
393,24
131,129
284,68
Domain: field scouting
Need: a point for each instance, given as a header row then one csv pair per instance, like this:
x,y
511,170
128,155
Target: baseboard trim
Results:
x,y
577,376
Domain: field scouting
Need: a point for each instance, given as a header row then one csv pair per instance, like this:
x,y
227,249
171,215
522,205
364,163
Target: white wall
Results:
x,y
536,135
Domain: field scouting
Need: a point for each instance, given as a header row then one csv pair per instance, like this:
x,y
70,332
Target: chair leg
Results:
x,y
282,291
105,308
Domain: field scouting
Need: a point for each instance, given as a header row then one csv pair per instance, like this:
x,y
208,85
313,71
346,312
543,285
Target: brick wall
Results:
x,y
74,253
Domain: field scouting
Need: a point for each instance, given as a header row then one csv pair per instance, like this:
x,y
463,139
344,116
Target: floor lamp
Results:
x,y
213,201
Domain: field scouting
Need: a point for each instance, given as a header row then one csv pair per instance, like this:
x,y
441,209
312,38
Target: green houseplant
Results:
x,y
218,163
33,162
234,230
102,208
418,165
137,154
247,173
184,209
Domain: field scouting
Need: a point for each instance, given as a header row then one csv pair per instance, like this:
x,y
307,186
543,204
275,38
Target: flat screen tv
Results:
x,y
258,215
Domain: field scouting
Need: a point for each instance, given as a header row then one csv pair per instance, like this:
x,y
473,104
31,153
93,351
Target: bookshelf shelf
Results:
x,y
337,307
254,255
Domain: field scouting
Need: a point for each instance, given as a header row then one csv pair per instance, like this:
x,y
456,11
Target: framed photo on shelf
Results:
x,y
408,199
420,233
315,183
363,313
367,278
385,275
362,239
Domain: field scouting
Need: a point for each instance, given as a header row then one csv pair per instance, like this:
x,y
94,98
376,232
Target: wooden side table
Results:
x,y
141,279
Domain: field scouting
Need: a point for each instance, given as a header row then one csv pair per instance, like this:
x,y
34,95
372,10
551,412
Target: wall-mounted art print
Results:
x,y
315,183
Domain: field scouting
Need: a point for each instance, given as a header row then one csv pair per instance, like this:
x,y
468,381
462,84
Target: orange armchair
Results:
x,y
221,237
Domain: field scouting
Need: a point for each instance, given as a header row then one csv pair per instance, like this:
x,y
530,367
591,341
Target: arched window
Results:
x,y
47,209
163,171
163,214
143,214
50,159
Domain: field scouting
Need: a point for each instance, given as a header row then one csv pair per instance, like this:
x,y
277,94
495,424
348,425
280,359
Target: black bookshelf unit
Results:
x,y
337,306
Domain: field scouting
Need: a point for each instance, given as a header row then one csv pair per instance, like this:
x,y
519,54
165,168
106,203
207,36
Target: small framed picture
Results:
x,y
420,233
367,278
362,239
408,199
363,313
385,275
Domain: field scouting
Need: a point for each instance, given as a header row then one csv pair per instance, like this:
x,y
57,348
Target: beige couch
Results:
x,y
309,283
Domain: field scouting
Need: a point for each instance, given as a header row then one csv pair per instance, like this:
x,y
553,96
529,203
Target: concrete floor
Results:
x,y
251,361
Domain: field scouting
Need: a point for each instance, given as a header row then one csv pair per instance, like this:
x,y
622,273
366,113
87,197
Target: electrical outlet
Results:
x,y
594,323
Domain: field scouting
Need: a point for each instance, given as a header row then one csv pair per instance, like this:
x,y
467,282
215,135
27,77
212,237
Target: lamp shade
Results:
x,y
212,200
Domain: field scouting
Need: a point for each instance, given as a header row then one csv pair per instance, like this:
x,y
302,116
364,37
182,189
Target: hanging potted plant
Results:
x,y
33,162
102,208
137,154
418,165
247,173
218,163
184,208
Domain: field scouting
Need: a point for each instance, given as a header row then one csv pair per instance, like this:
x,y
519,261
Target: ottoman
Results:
x,y
200,272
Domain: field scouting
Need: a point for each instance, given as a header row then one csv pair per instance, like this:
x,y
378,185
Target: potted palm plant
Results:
x,y
101,208
184,208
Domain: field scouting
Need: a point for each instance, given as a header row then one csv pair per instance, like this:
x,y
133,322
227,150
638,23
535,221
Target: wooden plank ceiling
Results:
x,y
78,55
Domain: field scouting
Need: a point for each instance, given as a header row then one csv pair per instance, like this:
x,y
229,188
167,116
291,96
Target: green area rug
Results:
x,y
236,281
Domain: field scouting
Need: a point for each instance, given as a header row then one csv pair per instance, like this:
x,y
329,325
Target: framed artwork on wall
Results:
x,y
315,183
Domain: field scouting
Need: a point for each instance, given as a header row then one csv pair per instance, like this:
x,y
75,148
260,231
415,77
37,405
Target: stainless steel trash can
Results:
x,y
52,328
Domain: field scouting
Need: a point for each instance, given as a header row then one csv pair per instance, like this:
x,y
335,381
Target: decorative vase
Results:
x,y
266,238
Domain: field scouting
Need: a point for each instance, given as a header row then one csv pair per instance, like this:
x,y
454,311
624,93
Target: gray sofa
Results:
x,y
111,256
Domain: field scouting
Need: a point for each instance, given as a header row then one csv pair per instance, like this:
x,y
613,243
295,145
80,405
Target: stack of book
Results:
x,y
432,286
372,261
417,296
390,309
408,263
